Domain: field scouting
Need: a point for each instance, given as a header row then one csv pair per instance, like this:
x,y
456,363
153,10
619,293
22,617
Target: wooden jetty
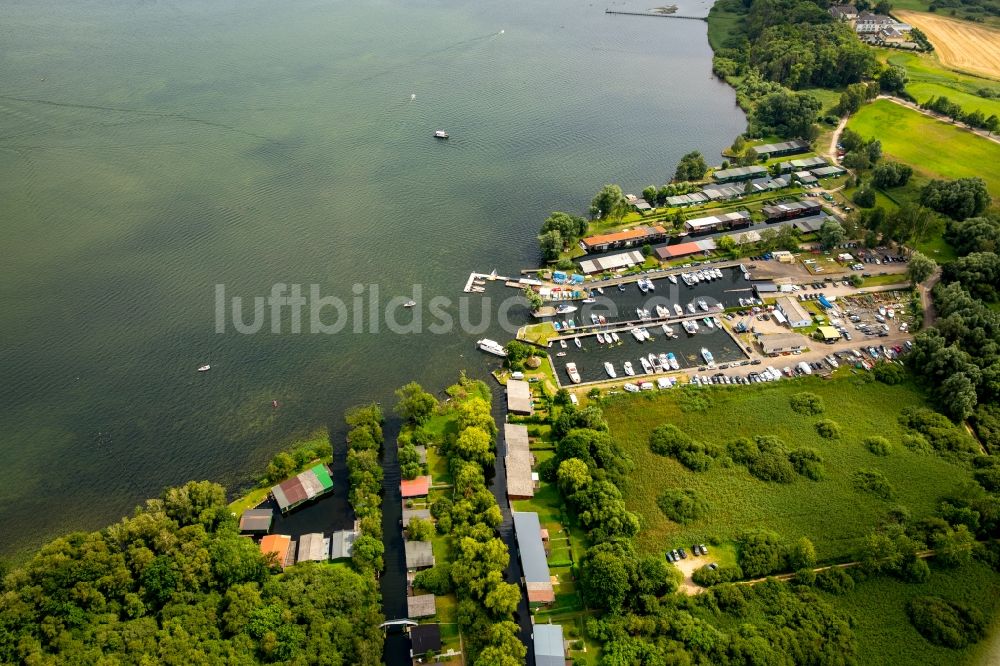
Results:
x,y
656,15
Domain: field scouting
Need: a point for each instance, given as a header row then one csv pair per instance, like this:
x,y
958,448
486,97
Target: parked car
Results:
x,y
683,553
704,550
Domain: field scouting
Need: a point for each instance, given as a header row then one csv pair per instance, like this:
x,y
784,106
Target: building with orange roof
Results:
x,y
281,546
418,487
640,235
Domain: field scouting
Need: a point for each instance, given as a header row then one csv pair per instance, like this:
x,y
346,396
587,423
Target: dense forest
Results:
x,y
176,584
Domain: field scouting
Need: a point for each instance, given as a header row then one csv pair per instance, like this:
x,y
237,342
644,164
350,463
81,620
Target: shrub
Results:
x,y
765,457
872,481
681,506
761,554
828,429
807,403
940,433
808,463
835,581
707,577
880,446
669,440
948,623
917,443
436,580
889,373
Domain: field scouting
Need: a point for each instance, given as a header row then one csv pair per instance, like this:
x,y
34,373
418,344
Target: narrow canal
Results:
x,y
393,581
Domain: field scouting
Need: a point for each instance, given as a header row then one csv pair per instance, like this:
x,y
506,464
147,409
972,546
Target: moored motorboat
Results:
x,y
672,278
646,367
600,338
674,365
628,368
491,347
610,369
708,322
639,337
440,134
409,304
707,355
573,374
204,368
579,345
614,337
690,308
702,304
565,308
668,331
678,310
562,343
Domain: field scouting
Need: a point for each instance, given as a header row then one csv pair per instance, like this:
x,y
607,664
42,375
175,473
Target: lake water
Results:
x,y
150,150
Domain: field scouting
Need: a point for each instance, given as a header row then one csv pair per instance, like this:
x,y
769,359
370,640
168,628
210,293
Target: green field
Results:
x,y
928,78
884,633
830,512
725,24
942,151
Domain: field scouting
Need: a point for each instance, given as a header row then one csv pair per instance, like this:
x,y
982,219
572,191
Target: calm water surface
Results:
x,y
152,149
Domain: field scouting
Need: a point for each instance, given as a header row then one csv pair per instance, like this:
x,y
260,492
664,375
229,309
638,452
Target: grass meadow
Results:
x,y
929,78
942,151
830,512
884,633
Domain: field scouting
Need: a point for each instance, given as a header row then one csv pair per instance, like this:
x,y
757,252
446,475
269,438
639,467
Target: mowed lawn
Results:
x,y
830,512
929,78
932,147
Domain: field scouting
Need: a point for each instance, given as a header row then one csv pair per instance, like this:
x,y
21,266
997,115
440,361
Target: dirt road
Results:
x,y
961,45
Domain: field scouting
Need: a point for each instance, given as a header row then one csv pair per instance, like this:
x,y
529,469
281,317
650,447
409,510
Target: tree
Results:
x,y
503,599
787,114
953,546
761,554
889,174
570,227
958,199
609,203
893,79
958,395
681,506
948,623
852,99
414,403
551,244
573,476
534,299
691,167
802,555
864,196
831,234
726,243
475,445
975,234
605,580
419,529
920,267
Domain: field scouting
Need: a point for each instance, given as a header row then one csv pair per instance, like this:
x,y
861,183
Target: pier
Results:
x,y
655,15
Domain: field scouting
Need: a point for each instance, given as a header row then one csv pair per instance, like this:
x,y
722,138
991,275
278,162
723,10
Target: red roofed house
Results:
x,y
629,238
418,487
280,545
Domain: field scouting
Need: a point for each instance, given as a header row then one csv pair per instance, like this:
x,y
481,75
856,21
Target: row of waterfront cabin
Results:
x,y
637,237
790,211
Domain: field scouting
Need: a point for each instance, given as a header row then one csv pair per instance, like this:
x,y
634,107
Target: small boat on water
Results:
x,y
645,333
678,310
594,318
409,304
650,285
562,343
646,367
600,338
204,368
691,326
664,362
558,325
707,355
561,354
621,286
690,308
672,278
601,320
573,374
599,290
708,322
440,134
565,308
662,312
590,300
639,337
674,365
579,345
718,273
654,362
614,337
702,304
571,324
643,285
491,347
610,369
628,369
668,331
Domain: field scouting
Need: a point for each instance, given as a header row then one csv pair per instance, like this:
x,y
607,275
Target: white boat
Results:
x,y
643,285
639,337
650,285
628,369
668,331
600,338
631,388
679,310
674,365
672,278
594,319
695,279
491,347
639,313
579,345
890,313
565,308
645,333
561,354
614,337
590,300
702,304
409,304
601,320
662,312
204,368
562,343
718,273
691,326
610,369
664,362
599,290
654,362
573,374
440,134
707,355
690,308
708,322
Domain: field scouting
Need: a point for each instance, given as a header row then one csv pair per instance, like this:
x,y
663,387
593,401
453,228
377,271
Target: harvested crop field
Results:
x,y
959,44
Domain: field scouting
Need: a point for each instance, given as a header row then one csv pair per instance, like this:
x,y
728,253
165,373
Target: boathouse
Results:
x,y
425,638
612,262
537,580
419,555
256,521
342,544
518,461
313,548
418,487
302,488
519,397
420,605
550,650
281,546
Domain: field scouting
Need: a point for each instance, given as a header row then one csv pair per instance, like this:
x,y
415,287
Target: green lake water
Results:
x,y
150,150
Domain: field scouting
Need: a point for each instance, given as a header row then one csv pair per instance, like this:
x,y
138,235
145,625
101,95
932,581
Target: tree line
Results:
x,y
175,583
